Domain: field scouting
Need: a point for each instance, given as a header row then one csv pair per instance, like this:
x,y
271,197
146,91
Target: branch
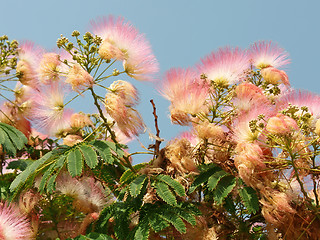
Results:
x,y
157,145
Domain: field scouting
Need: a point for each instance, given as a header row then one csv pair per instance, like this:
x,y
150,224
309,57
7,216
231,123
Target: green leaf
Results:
x,y
117,148
176,186
30,170
215,178
250,199
156,222
103,149
93,236
224,187
89,156
51,183
18,138
128,175
11,139
136,185
165,193
142,232
75,162
203,177
45,177
18,164
175,220
7,143
187,216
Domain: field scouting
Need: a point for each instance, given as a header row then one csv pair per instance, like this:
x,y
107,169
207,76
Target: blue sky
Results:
x,y
180,32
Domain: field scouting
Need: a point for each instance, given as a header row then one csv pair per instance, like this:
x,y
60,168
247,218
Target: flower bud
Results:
x,y
80,120
274,76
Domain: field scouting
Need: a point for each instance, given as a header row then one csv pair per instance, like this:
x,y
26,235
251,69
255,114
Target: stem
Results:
x,y
95,97
106,69
157,145
313,178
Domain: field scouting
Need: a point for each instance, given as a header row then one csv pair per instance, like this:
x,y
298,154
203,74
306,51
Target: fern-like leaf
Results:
x,y
165,193
30,170
136,185
89,155
103,149
75,162
129,175
250,199
176,186
156,222
203,177
92,236
224,187
142,232
215,178
175,220
11,139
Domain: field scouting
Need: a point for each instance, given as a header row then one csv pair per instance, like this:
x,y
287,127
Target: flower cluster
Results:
x,y
247,165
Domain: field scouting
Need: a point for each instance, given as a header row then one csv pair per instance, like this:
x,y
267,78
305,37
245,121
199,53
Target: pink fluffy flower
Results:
x,y
300,99
281,124
49,111
13,225
247,97
185,90
241,125
79,78
121,41
226,66
29,58
49,68
266,54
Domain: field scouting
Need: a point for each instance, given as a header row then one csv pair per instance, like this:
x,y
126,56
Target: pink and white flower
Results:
x,y
13,225
226,66
266,53
121,41
49,111
29,58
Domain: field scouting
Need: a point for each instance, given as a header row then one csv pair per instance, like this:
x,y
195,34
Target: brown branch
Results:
x,y
157,145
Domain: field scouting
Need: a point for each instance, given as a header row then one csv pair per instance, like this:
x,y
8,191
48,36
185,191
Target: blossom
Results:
x,y
265,54
249,154
207,130
274,76
126,91
300,99
248,96
29,58
242,131
185,90
226,66
79,78
281,124
89,195
49,68
80,120
49,111
72,139
121,41
13,225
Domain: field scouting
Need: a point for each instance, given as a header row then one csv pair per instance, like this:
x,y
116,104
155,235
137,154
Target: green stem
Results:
x,y
95,98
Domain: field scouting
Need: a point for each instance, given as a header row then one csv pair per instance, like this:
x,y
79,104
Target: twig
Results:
x,y
157,145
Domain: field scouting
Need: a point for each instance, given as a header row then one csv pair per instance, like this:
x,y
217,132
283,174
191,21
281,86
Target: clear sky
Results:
x,y
180,32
